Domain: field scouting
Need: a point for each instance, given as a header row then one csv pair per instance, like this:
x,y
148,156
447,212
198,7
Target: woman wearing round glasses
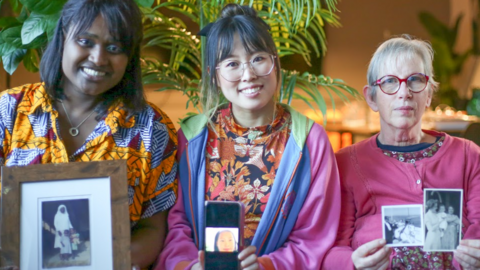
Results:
x,y
277,162
394,166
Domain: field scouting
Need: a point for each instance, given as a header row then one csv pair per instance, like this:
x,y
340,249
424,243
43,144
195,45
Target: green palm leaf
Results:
x,y
297,27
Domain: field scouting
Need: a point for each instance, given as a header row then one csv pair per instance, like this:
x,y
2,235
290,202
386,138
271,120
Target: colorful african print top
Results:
x,y
242,163
29,134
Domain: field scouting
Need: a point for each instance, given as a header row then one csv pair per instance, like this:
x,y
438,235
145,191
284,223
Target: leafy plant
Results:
x,y
447,62
297,27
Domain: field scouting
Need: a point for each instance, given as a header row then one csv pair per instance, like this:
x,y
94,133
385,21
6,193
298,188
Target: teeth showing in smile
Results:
x,y
251,90
92,72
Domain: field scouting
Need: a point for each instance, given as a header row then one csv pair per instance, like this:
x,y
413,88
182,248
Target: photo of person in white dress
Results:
x,y
443,209
63,228
432,222
65,233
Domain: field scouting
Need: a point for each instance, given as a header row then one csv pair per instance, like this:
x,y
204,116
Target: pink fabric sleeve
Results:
x,y
316,227
471,189
179,245
340,256
471,192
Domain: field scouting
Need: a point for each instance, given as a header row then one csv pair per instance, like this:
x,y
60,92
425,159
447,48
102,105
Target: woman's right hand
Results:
x,y
372,255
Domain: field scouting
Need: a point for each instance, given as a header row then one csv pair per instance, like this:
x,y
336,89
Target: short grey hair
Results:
x,y
402,48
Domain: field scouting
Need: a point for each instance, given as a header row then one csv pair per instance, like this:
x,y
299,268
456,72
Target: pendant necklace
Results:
x,y
74,130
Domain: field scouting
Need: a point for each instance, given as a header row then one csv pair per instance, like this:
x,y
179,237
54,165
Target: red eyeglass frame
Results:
x,y
377,83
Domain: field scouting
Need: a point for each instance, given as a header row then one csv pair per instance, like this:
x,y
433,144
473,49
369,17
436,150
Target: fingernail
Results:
x,y
382,242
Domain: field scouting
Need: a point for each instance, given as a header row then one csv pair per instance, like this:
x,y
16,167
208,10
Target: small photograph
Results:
x,y
221,239
65,237
403,225
443,224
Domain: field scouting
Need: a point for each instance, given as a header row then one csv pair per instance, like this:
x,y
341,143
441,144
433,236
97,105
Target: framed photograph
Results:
x,y
403,225
443,218
65,216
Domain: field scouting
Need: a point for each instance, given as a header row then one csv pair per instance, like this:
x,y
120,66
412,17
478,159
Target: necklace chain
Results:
x,y
74,130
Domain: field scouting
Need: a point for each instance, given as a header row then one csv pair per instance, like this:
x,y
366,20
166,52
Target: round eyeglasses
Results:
x,y
260,64
390,84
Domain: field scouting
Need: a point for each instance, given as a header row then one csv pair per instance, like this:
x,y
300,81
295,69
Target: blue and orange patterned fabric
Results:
x,y
242,163
29,134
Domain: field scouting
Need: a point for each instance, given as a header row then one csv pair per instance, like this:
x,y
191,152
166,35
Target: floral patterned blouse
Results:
x,y
415,257
242,163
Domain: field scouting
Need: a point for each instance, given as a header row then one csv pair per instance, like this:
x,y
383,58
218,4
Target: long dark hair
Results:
x,y
254,34
124,21
218,236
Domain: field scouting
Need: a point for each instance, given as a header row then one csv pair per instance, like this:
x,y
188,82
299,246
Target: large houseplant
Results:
x,y
297,27
447,62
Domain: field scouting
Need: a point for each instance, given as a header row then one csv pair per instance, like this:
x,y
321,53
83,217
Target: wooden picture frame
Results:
x,y
112,174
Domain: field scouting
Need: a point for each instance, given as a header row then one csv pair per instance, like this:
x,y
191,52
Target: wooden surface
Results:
x,y
13,177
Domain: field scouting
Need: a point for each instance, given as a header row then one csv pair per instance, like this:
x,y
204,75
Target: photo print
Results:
x,y
443,223
403,225
221,239
65,233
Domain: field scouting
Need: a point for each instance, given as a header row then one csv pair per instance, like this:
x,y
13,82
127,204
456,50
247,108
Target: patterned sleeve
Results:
x,y
2,131
8,105
162,183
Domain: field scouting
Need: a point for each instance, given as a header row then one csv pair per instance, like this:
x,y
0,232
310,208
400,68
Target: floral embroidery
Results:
x,y
256,191
242,163
411,157
416,258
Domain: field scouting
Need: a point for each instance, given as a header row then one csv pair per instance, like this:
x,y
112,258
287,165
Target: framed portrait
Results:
x,y
403,225
65,216
443,218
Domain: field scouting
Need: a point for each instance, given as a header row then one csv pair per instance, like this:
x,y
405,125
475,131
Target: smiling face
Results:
x,y
441,209
93,62
226,242
451,210
252,93
404,109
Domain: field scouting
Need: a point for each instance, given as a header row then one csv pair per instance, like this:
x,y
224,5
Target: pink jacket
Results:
x,y
369,180
313,233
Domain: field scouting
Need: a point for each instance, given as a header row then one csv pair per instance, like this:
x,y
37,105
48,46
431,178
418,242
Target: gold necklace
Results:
x,y
74,130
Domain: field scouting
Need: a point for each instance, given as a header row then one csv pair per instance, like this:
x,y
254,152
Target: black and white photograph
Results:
x,y
403,225
65,237
443,212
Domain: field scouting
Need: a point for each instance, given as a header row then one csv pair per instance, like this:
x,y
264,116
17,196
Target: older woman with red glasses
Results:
x,y
394,166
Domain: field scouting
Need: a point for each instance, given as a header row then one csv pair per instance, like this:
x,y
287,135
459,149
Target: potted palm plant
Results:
x,y
296,26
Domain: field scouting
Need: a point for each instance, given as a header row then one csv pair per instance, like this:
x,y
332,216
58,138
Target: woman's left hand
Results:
x,y
248,258
468,254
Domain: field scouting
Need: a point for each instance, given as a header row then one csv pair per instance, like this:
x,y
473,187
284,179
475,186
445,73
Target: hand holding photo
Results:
x,y
443,212
403,225
48,221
